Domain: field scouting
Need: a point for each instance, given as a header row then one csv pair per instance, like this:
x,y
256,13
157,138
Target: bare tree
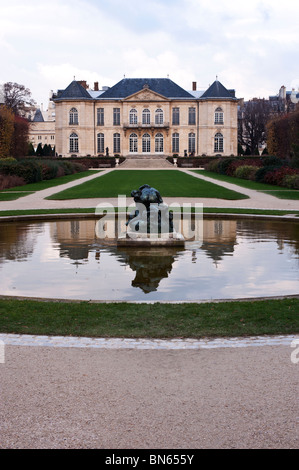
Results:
x,y
18,98
253,118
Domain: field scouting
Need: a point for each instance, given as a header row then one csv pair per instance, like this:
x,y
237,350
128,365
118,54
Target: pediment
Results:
x,y
146,95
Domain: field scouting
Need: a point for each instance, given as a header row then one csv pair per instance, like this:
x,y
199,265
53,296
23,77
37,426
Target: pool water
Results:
x,y
64,260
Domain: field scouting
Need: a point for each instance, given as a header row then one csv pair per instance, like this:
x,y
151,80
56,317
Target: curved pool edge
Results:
x,y
218,215
168,302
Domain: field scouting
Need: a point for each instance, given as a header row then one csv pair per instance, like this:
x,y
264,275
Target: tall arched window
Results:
x,y
175,143
146,143
159,143
74,116
159,116
133,143
74,143
218,145
101,143
191,142
219,116
133,116
116,143
146,116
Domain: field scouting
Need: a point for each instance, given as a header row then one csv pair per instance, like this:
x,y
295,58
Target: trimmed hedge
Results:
x,y
266,169
32,171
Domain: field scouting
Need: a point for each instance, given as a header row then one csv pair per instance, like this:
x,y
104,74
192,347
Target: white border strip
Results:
x,y
161,344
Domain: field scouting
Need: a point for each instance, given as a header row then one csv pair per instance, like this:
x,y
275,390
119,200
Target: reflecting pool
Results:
x,y
64,259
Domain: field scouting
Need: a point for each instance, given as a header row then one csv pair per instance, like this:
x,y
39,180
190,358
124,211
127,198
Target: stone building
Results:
x,y
145,117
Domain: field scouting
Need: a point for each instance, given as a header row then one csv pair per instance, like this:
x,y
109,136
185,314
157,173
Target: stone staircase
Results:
x,y
148,161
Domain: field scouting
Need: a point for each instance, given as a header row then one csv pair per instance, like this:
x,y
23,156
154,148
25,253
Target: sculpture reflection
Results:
x,y
151,266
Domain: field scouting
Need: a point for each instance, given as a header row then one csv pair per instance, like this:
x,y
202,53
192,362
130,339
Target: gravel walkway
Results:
x,y
62,398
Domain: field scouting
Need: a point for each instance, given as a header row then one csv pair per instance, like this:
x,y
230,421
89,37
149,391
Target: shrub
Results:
x,y
212,165
291,181
276,176
246,172
10,181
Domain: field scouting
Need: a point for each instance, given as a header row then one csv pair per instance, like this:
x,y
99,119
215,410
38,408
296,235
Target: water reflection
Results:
x,y
65,259
150,267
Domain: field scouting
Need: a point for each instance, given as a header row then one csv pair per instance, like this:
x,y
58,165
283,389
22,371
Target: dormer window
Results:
x,y
219,116
74,117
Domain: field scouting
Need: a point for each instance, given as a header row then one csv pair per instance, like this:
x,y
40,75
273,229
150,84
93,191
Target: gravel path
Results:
x,y
63,398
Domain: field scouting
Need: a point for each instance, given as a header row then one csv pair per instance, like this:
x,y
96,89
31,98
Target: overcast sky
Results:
x,y
251,46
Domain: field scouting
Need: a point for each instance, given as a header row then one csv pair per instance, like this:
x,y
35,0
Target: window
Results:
x,y
146,116
192,117
133,143
133,116
74,143
191,142
175,116
159,116
159,143
219,116
218,145
116,143
175,143
116,116
146,143
74,116
101,143
100,117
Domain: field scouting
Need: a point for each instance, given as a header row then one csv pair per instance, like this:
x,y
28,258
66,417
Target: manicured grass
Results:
x,y
12,196
284,194
169,183
241,182
271,317
54,182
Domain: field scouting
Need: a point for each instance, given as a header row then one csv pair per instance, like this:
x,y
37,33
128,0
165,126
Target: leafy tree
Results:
x,y
39,151
19,147
6,131
18,98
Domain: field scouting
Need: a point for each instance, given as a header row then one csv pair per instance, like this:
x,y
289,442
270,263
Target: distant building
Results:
x,y
285,101
42,126
144,116
2,100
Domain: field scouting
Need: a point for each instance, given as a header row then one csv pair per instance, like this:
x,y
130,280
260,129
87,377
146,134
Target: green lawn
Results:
x,y
240,182
52,183
10,196
271,317
291,194
169,183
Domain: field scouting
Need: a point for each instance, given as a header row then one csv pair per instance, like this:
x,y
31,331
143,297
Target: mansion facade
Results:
x,y
145,117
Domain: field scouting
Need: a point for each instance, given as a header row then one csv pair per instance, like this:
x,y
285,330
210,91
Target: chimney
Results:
x,y
194,86
96,86
83,83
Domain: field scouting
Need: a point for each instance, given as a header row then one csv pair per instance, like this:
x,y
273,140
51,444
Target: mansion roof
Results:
x,y
130,86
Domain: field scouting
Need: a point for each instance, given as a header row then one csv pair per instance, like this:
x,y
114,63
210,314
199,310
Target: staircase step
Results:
x,y
146,163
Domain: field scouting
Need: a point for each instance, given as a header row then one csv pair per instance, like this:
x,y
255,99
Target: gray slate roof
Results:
x,y
38,117
75,91
130,86
217,90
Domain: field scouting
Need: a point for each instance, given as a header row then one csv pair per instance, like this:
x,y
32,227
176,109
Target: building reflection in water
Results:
x,y
77,240
17,240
